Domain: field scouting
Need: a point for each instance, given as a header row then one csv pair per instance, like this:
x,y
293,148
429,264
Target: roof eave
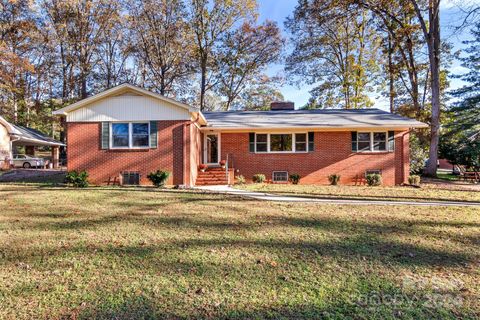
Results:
x,y
37,141
321,128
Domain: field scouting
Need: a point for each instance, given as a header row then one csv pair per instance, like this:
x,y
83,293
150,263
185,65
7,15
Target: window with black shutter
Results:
x,y
311,141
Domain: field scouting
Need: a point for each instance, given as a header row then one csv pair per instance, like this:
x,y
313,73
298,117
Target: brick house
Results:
x,y
126,132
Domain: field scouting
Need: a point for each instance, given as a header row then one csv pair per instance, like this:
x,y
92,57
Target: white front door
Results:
x,y
211,148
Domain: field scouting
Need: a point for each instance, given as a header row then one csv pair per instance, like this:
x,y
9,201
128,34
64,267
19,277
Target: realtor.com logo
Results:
x,y
431,292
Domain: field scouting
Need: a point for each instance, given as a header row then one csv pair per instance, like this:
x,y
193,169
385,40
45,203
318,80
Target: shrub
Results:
x,y
295,178
259,178
240,179
334,179
374,179
414,180
77,179
158,178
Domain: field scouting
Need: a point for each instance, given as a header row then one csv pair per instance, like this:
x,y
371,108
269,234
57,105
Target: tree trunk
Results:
x,y
203,82
434,58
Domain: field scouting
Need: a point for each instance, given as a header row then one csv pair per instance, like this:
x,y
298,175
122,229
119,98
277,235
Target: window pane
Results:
x,y
363,136
302,146
379,136
120,141
120,134
379,141
120,128
364,146
301,142
262,138
261,147
281,142
140,128
262,143
140,140
301,137
140,136
379,146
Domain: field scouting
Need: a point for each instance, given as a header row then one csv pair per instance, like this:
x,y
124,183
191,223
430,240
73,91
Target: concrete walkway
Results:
x,y
273,197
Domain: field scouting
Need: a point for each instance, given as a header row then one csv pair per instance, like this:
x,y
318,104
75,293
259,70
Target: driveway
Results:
x,y
273,197
33,175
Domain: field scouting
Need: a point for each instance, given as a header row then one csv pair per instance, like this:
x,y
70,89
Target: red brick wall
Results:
x,y
332,155
85,153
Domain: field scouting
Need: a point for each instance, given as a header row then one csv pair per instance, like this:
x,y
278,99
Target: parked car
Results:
x,y
21,160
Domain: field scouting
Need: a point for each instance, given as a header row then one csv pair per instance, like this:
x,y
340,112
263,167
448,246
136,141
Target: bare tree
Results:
x,y
210,19
244,53
163,41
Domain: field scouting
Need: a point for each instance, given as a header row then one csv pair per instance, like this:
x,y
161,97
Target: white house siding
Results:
x,y
4,144
128,108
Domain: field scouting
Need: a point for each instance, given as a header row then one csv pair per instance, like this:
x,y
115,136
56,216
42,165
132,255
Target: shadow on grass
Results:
x,y
327,196
366,304
356,247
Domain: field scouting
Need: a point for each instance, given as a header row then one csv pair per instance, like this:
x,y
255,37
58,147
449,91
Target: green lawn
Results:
x,y
426,193
141,253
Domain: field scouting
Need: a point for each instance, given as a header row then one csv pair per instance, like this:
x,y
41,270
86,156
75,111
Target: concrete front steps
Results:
x,y
212,177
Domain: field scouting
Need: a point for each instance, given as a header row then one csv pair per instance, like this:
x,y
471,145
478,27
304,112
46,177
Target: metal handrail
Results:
x,y
226,171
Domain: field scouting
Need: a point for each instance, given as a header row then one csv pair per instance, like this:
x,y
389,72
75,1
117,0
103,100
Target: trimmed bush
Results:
x,y
334,179
414,180
77,179
374,179
259,178
240,179
158,178
295,178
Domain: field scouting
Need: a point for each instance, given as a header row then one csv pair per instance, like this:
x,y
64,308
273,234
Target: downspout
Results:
x,y
185,126
406,174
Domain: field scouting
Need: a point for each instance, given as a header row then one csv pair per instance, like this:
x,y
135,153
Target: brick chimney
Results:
x,y
282,105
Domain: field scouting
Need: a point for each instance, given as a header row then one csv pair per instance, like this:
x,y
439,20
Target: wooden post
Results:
x,y
55,157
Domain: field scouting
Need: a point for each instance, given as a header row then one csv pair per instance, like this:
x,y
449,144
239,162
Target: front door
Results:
x,y
211,148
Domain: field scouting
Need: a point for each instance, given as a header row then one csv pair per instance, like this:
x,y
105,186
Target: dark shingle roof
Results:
x,y
320,118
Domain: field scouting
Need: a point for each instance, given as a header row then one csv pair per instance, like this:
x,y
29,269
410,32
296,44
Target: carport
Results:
x,y
31,139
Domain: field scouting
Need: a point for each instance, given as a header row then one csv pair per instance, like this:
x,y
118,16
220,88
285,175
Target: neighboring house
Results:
x,y
126,132
13,136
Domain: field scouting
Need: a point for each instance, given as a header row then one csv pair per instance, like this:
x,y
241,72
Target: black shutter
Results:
x,y
105,138
311,141
153,134
391,140
251,137
354,141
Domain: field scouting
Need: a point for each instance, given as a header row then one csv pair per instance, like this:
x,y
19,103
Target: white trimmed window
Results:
x,y
281,142
129,135
372,141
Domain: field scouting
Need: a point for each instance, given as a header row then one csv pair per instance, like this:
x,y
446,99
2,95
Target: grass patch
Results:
x,y
115,253
425,194
447,176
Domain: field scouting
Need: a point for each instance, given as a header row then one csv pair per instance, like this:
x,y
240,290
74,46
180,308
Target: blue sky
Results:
x,y
279,10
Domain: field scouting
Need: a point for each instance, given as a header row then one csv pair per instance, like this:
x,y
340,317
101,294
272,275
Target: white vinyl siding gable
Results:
x,y
128,108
